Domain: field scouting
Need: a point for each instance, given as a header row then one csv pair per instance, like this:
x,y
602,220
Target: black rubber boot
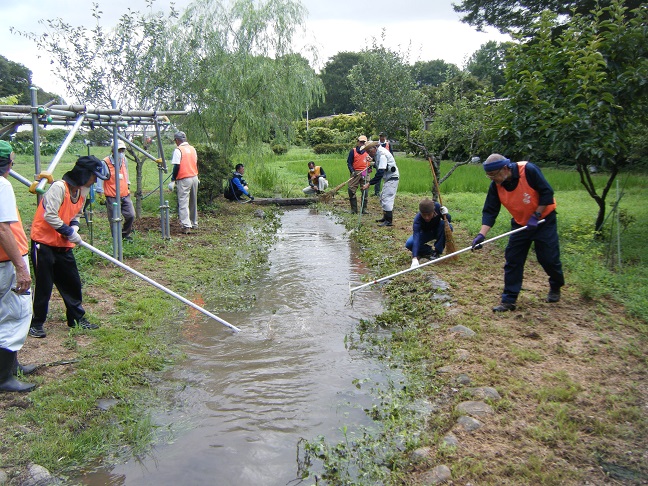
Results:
x,y
25,370
381,219
354,204
388,219
7,381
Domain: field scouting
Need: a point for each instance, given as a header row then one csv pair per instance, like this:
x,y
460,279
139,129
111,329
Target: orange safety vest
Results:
x,y
315,174
42,231
523,200
188,162
21,239
359,161
110,186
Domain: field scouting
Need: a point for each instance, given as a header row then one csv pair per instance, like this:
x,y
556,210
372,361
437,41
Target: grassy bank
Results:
x,y
97,389
572,376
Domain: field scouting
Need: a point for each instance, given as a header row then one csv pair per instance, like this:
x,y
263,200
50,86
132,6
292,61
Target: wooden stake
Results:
x,y
450,243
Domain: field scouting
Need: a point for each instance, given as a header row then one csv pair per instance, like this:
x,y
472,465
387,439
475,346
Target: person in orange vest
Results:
x,y
317,182
523,190
54,233
359,168
15,281
107,192
185,179
384,143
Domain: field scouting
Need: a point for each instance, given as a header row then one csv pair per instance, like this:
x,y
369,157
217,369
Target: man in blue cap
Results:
x,y
523,190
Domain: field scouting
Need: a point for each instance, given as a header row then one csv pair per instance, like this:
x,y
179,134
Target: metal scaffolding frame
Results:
x,y
78,116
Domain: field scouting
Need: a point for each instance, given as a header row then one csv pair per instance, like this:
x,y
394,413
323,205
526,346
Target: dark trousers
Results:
x,y
52,266
438,235
127,211
547,250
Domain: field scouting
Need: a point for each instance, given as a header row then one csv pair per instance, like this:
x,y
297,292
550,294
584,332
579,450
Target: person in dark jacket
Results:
x,y
428,226
237,187
523,190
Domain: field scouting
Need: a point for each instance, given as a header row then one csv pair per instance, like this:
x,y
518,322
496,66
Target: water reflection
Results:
x,y
251,396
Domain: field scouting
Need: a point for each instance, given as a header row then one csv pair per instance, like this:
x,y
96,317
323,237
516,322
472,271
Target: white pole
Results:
x,y
440,259
155,284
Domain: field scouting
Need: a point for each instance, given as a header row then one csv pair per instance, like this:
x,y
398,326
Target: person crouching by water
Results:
x,y
237,187
428,226
317,182
387,172
54,232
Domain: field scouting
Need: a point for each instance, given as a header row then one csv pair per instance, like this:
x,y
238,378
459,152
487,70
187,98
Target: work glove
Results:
x,y
415,263
75,237
477,242
444,210
171,185
532,223
101,198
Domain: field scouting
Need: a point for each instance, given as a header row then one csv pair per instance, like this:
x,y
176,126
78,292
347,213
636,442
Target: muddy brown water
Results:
x,y
251,396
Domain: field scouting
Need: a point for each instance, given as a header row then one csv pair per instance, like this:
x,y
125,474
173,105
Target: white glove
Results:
x,y
444,210
75,237
415,263
171,185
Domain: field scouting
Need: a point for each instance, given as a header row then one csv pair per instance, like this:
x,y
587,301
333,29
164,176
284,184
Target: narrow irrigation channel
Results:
x,y
250,397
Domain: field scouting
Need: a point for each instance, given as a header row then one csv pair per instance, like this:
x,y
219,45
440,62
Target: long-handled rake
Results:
x,y
438,260
450,243
327,196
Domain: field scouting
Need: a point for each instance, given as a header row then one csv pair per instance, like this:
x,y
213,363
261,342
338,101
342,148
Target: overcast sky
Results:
x,y
429,28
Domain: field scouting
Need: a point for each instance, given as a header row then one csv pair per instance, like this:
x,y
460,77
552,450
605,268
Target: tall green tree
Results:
x,y
384,88
577,97
459,119
234,68
16,80
98,64
518,15
433,73
334,76
488,62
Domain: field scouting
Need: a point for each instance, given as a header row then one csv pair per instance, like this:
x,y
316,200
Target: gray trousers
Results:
x,y
187,191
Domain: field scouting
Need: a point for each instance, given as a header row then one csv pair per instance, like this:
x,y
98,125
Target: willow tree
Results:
x,y
384,88
235,69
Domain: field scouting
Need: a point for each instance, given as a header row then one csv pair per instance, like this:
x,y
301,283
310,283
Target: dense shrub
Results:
x,y
214,169
320,135
279,149
331,148
343,129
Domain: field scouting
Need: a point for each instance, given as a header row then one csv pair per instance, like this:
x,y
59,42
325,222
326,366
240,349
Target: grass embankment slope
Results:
x,y
60,425
572,375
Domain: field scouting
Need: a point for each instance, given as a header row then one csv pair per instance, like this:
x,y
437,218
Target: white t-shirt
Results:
x,y
8,212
